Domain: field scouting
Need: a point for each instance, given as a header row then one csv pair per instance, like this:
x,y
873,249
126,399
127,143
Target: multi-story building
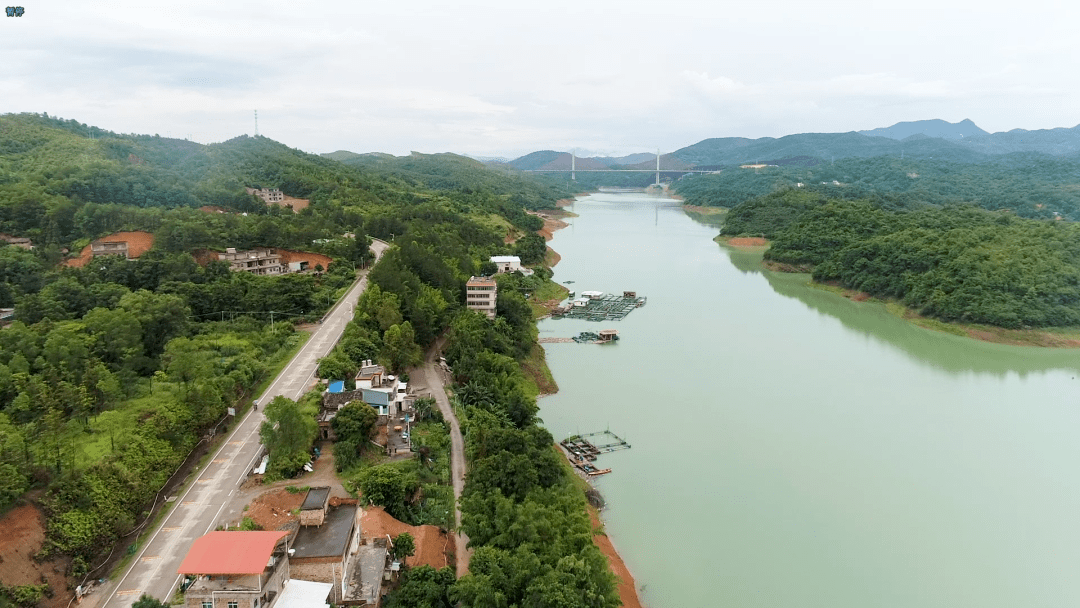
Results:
x,y
261,260
480,294
267,194
236,569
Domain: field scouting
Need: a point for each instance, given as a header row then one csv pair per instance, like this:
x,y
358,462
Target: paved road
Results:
x,y
430,376
207,501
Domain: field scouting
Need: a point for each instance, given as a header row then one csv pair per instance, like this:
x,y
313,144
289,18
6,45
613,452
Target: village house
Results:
x,y
321,553
100,248
507,263
267,195
261,260
17,241
480,295
237,569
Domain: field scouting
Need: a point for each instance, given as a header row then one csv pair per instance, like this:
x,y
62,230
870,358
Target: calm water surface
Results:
x,y
792,448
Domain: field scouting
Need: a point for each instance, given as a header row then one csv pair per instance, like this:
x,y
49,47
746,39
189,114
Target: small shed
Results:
x,y
313,511
609,335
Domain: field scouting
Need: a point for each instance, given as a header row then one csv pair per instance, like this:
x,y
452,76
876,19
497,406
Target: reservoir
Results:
x,y
792,448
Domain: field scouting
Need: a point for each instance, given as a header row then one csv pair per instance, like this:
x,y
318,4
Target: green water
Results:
x,y
792,448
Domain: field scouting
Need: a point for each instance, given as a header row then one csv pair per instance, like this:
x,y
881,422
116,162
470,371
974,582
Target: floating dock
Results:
x,y
583,450
601,307
606,336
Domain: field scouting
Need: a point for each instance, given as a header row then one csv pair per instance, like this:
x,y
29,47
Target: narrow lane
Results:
x,y
431,377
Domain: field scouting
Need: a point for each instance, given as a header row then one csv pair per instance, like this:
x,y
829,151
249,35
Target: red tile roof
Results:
x,y
235,552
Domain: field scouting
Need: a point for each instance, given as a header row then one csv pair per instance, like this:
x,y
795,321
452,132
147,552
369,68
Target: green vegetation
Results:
x,y
288,433
957,263
114,372
1029,185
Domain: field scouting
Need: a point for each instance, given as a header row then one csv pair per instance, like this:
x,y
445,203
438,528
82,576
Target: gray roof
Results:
x,y
316,498
329,539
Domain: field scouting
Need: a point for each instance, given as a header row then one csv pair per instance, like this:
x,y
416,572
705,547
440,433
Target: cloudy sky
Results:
x,y
503,77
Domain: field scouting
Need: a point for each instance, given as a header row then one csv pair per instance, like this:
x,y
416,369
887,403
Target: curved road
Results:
x,y
198,510
429,376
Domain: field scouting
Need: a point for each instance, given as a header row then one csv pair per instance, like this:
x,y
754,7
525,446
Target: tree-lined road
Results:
x,y
209,500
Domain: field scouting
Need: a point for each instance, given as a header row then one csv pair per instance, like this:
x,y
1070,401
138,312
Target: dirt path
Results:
x,y
429,377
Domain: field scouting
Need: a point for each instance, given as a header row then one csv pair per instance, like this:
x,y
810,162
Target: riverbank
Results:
x,y
536,368
1066,337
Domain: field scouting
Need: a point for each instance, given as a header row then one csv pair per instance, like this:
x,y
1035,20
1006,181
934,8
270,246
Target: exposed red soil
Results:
x,y
627,589
139,242
747,241
23,534
297,204
212,209
553,257
273,510
312,259
433,547
204,256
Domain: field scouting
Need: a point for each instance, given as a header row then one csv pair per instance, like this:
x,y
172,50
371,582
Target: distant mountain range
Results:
x,y
962,141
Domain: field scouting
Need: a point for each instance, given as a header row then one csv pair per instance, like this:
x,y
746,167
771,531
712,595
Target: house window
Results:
x,y
207,604
234,605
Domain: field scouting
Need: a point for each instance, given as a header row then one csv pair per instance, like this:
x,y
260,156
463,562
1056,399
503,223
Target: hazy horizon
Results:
x,y
485,78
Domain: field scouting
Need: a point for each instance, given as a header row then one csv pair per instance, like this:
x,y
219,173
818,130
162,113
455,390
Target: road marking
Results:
x,y
218,460
127,592
205,480
173,528
150,558
236,443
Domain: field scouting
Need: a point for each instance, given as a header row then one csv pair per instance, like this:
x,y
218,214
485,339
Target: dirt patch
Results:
x,y
23,534
274,510
627,589
433,546
138,242
313,259
552,258
747,242
212,209
552,222
297,204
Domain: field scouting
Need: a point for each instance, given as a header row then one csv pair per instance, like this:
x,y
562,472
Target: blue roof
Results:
x,y
336,386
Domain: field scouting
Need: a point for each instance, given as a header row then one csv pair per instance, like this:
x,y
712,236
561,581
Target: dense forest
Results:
x,y
112,373
955,262
1029,185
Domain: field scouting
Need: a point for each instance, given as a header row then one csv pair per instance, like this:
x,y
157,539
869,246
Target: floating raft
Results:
x,y
586,337
609,307
583,450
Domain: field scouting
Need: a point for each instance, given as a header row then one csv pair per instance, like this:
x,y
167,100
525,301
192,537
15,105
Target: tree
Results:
x,y
149,602
353,425
389,487
288,432
403,546
400,350
423,587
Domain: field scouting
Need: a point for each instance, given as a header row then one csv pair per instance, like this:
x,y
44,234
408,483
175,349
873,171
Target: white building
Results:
x,y
510,263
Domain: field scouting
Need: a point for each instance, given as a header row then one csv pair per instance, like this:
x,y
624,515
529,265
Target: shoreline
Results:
x,y
1065,338
627,587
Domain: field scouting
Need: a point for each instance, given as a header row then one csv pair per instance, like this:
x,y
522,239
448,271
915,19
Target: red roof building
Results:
x,y
236,552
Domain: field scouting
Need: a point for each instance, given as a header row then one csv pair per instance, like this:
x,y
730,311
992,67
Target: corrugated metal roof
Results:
x,y
316,498
237,552
502,259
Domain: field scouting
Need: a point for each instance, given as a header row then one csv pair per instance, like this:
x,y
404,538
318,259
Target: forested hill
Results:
x,y
52,168
978,147
1029,185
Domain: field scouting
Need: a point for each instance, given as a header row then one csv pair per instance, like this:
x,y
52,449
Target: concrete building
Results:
x,y
377,388
268,195
313,511
236,569
100,248
480,295
322,553
261,260
507,263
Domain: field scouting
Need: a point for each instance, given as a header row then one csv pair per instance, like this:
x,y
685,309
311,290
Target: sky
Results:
x,y
504,78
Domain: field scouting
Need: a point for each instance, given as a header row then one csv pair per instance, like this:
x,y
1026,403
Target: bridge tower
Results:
x,y
573,175
658,166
